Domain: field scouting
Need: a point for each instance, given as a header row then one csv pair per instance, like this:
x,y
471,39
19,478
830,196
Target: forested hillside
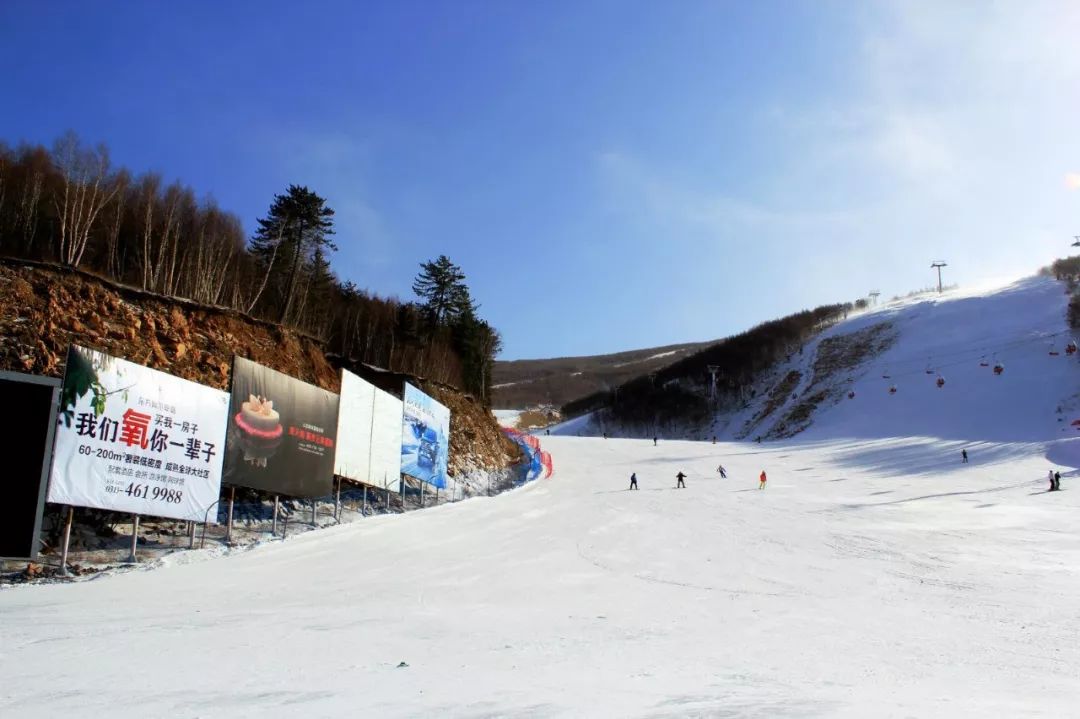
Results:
x,y
67,204
680,391
526,383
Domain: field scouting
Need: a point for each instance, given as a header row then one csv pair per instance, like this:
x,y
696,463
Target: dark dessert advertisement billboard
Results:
x,y
282,433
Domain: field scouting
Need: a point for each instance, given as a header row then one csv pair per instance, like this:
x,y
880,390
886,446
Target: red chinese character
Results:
x,y
134,429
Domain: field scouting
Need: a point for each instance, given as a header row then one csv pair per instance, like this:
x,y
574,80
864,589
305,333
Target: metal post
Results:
x,y
436,496
191,534
67,541
285,527
938,264
134,536
277,506
388,500
337,502
422,493
228,521
313,500
363,507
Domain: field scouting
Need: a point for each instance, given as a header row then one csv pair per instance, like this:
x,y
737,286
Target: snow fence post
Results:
x,y
134,536
67,541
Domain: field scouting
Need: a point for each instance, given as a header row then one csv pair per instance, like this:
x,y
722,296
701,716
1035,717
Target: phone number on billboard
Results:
x,y
145,491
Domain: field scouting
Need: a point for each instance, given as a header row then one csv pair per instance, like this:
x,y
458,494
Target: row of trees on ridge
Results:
x,y
68,204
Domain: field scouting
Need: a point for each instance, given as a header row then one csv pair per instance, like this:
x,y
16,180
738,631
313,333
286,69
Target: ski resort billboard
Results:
x,y
282,433
369,434
425,438
133,439
26,435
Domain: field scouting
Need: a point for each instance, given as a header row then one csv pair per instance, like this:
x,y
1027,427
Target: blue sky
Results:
x,y
610,175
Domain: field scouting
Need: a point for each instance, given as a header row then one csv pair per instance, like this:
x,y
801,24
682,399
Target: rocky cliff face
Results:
x,y
43,309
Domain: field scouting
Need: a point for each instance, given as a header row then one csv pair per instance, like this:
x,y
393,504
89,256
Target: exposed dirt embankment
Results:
x,y
43,309
837,357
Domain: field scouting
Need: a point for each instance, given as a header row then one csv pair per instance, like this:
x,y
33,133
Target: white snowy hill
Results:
x,y
875,576
909,345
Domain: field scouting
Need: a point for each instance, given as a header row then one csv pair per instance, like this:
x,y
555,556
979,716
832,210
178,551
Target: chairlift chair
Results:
x,y
999,369
892,389
940,382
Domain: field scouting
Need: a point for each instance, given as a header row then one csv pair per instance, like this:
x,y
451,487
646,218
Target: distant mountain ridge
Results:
x,y
528,383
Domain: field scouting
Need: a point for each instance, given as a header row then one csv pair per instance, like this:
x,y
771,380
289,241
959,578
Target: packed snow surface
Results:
x,y
874,576
879,578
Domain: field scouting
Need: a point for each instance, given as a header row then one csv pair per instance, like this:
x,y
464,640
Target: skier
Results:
x,y
963,456
722,471
714,439
680,476
654,441
763,478
605,435
1057,481
1050,476
633,481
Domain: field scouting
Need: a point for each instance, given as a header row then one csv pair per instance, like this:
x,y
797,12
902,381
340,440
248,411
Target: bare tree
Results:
x,y
85,188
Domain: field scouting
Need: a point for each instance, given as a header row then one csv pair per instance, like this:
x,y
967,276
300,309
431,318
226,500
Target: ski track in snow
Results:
x,y
875,576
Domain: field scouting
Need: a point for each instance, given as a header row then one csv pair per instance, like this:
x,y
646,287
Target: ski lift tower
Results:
x,y
938,264
874,294
713,368
1076,241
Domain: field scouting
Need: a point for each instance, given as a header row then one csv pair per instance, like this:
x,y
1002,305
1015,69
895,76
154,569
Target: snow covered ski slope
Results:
x,y
875,576
959,338
870,579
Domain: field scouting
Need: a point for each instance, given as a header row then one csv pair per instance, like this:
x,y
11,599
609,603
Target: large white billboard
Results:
x,y
369,434
132,439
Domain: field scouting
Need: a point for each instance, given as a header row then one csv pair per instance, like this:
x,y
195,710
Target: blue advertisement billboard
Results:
x,y
425,438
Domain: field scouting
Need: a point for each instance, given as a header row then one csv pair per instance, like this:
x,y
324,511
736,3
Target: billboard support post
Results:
x,y
67,542
313,502
337,502
273,522
228,522
191,535
134,537
363,507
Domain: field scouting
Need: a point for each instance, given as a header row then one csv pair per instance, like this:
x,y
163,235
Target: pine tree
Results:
x,y
441,284
293,234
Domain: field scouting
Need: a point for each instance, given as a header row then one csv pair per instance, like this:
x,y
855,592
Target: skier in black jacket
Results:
x,y
680,476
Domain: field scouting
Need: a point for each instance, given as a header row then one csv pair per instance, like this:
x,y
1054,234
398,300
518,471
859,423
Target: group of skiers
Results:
x,y
680,479
1052,475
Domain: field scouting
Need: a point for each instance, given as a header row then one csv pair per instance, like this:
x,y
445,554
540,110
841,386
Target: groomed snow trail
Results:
x,y
869,579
